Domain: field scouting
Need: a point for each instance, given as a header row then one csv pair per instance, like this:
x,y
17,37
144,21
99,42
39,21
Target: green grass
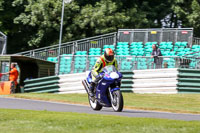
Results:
x,y
23,121
180,103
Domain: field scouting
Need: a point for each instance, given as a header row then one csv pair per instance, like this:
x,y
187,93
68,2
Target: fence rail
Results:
x,y
196,40
82,63
156,35
123,35
72,47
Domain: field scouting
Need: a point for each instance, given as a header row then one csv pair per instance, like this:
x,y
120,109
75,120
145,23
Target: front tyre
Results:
x,y
94,103
118,102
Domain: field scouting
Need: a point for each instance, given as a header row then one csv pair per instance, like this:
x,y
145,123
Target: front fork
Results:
x,y
111,94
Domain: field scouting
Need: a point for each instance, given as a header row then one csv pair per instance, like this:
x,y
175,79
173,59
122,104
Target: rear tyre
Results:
x,y
94,104
118,102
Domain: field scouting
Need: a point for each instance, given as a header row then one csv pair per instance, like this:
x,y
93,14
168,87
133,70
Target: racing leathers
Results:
x,y
98,67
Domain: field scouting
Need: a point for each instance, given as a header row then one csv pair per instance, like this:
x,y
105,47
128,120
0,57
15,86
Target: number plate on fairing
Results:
x,y
103,83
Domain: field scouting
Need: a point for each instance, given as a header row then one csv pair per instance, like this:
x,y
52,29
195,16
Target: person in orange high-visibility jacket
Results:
x,y
105,60
13,74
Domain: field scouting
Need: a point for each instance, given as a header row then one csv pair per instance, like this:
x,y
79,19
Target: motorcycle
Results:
x,y
107,92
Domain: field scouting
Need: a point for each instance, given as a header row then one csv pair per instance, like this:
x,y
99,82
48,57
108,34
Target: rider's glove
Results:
x,y
100,76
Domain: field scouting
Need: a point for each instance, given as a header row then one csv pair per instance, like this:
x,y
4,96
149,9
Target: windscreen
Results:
x,y
109,69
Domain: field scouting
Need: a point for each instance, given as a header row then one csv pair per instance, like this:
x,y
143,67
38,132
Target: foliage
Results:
x,y
189,13
32,24
44,17
99,19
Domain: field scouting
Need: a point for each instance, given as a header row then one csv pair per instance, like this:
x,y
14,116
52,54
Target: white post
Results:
x,y
60,37
5,43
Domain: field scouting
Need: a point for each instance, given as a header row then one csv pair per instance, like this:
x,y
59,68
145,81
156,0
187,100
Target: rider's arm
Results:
x,y
115,64
97,68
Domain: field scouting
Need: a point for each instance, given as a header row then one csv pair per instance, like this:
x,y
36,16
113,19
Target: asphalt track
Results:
x,y
16,103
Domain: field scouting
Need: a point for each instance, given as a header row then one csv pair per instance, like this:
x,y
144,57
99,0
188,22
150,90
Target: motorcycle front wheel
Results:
x,y
117,103
94,104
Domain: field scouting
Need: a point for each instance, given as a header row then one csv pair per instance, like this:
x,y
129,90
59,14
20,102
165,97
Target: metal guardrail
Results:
x,y
72,47
188,81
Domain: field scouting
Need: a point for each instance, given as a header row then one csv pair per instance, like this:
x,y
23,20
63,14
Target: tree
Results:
x,y
32,24
44,18
99,19
16,34
194,17
189,13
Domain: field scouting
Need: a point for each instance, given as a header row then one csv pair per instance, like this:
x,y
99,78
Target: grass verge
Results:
x,y
178,103
18,121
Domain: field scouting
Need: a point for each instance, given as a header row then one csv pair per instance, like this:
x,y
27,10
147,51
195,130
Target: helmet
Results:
x,y
109,54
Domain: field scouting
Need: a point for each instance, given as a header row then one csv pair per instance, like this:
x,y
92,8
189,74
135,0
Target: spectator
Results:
x,y
13,74
155,54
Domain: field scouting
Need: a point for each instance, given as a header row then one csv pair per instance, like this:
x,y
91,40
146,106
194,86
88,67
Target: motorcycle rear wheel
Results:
x,y
117,103
94,104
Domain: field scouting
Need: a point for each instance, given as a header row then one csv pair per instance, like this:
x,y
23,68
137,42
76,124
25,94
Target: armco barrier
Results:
x,y
45,84
127,81
138,81
155,81
69,83
188,81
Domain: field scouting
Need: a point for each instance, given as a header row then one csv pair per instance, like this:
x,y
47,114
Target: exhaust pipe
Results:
x,y
85,84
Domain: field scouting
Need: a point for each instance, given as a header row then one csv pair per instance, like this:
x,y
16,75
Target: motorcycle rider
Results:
x,y
105,60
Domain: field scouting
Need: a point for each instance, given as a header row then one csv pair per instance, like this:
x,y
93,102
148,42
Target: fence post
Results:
x,y
115,39
176,36
76,47
161,35
72,65
5,46
87,62
191,39
5,43
73,48
118,35
33,53
132,35
58,65
146,37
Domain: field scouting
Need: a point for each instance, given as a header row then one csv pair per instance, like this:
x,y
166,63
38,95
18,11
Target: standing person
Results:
x,y
105,60
155,54
13,74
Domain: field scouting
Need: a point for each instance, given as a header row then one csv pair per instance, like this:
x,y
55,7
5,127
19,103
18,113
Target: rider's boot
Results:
x,y
91,89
